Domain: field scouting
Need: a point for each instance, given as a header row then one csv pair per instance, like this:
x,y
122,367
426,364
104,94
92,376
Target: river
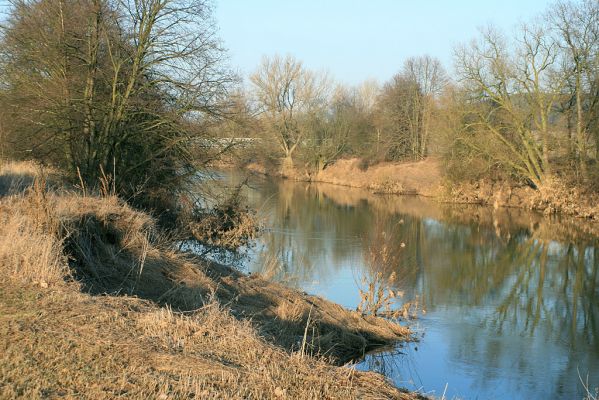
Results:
x,y
507,300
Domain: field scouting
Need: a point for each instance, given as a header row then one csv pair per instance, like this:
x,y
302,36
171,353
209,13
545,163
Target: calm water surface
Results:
x,y
510,299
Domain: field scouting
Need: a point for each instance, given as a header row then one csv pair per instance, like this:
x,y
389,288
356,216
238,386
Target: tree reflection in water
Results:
x,y
513,295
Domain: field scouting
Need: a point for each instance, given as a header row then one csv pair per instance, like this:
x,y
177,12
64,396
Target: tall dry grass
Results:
x,y
16,177
31,249
166,325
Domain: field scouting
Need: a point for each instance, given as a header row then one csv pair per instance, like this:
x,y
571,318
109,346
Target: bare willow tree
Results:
x,y
330,131
112,85
288,95
398,119
344,127
406,106
511,96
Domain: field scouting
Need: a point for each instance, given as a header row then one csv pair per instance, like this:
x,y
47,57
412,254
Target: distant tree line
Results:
x,y
311,119
523,107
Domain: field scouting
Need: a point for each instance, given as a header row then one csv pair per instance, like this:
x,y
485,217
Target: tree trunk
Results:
x,y
287,166
580,139
89,126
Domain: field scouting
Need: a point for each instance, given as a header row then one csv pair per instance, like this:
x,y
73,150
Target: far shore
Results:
x,y
425,178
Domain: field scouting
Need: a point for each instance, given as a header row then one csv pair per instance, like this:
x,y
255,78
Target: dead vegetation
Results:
x,y
425,178
94,304
410,177
227,226
552,197
380,293
377,297
15,177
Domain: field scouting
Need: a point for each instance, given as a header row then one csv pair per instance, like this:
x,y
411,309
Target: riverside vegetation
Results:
x,y
118,100
516,124
128,104
96,303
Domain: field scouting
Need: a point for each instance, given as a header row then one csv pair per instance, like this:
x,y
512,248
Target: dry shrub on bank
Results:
x,y
229,225
191,329
554,196
377,297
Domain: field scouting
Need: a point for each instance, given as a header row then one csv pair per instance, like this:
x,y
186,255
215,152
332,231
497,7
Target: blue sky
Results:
x,y
356,40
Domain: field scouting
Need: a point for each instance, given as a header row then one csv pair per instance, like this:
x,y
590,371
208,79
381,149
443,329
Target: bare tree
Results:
x,y
112,85
511,96
288,93
577,28
398,119
405,108
330,129
366,95
431,78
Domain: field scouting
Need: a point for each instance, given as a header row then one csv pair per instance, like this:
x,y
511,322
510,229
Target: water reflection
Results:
x,y
511,297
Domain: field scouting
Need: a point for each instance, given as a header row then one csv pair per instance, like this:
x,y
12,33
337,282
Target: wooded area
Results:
x,y
137,90
117,89
520,107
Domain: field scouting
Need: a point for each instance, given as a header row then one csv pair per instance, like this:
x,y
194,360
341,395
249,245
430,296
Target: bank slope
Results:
x,y
94,305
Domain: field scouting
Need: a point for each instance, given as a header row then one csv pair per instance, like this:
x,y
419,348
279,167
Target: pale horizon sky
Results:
x,y
358,40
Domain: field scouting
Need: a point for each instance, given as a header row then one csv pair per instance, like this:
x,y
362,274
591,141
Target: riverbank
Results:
x,y
95,304
502,220
415,178
425,178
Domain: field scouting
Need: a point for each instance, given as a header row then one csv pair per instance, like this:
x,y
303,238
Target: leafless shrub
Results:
x,y
228,225
379,293
377,298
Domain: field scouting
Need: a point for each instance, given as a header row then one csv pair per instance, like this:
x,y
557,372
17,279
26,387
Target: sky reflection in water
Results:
x,y
511,298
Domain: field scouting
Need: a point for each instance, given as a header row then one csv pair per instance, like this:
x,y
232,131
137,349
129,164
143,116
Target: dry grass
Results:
x,y
425,178
421,177
15,177
553,197
418,177
179,328
61,343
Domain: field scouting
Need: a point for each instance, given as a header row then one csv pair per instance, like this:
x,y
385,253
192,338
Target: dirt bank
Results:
x,y
94,304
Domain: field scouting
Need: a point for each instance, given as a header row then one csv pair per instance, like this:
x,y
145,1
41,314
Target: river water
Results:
x,y
508,301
